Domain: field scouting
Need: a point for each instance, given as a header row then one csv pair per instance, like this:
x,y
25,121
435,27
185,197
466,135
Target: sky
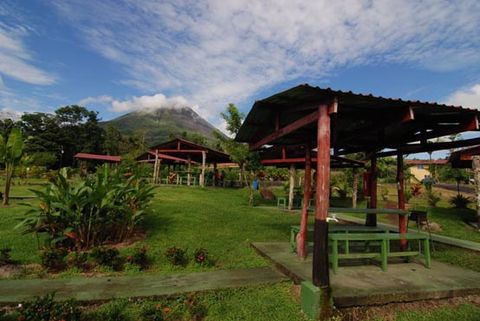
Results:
x,y
116,56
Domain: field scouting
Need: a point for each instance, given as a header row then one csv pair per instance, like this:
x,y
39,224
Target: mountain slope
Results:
x,y
161,124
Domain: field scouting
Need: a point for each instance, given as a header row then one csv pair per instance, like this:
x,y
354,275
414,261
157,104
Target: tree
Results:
x,y
11,150
458,175
240,153
79,132
113,141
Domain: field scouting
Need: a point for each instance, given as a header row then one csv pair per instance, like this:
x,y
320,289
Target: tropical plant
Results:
x,y
53,259
432,198
11,151
102,208
460,201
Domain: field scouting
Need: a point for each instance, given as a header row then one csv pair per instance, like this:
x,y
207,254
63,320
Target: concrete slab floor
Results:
x,y
369,285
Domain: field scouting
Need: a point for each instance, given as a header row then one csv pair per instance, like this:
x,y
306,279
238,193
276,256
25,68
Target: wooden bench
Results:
x,y
334,228
385,250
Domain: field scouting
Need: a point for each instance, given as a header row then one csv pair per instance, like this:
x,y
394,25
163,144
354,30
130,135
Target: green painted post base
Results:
x,y
311,300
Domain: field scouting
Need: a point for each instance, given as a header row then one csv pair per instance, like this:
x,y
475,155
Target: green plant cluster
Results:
x,y
179,256
102,208
46,309
56,260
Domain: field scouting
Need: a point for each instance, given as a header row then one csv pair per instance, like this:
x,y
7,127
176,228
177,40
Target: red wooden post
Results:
x,y
402,219
372,218
307,194
320,272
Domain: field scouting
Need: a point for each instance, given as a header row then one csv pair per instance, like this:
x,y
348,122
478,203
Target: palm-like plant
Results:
x,y
104,208
11,151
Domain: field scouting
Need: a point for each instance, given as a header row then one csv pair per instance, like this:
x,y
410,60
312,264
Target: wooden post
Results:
x,y
320,272
155,168
202,175
215,174
354,187
476,176
372,218
302,235
159,167
291,186
188,169
402,219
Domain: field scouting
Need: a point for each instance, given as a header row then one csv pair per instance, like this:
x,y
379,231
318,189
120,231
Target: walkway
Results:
x,y
474,246
149,285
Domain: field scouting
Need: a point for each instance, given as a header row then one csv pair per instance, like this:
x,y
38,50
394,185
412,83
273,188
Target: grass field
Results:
x,y
221,221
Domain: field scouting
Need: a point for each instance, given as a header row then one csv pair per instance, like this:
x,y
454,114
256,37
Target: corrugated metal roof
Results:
x,y
363,122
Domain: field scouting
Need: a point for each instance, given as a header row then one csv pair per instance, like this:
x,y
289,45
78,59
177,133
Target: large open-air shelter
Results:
x,y
345,122
185,152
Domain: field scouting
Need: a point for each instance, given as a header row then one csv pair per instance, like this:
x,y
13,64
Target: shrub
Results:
x,y
459,201
432,198
46,309
107,256
113,311
176,256
53,259
152,313
196,309
78,260
5,256
416,190
201,256
102,208
139,258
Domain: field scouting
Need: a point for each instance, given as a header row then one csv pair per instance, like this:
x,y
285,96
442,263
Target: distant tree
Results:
x,y
240,153
113,141
448,174
11,151
79,132
42,134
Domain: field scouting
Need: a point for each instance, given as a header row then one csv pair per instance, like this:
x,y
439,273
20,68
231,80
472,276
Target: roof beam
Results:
x,y
430,147
299,123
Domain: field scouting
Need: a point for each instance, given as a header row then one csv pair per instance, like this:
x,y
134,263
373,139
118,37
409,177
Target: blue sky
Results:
x,y
116,56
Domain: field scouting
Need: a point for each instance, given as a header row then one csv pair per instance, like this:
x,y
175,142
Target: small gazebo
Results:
x,y
183,151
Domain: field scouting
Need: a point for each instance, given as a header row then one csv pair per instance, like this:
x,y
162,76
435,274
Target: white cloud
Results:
x,y
468,97
141,103
149,103
15,59
215,52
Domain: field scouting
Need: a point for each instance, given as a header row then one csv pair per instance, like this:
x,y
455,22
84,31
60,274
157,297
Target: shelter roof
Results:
x,y
104,158
359,122
183,148
463,158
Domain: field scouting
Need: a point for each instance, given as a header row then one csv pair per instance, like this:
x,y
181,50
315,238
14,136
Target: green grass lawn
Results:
x,y
221,221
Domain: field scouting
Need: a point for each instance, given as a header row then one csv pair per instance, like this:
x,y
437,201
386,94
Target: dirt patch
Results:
x,y
388,312
132,240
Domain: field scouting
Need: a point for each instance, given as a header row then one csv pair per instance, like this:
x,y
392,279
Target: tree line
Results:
x,y
52,139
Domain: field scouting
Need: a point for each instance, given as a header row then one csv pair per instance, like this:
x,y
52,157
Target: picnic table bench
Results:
x,y
334,228
385,249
